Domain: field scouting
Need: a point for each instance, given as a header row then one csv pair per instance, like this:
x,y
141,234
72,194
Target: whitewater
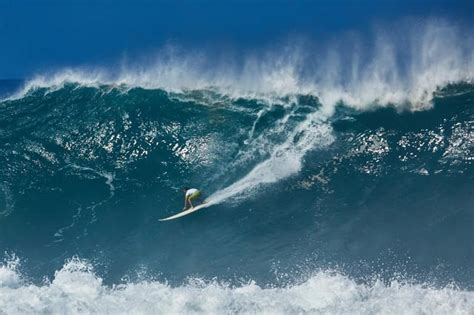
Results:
x,y
340,173
76,289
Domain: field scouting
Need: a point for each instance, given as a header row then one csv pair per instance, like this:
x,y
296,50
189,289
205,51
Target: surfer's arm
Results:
x,y
185,201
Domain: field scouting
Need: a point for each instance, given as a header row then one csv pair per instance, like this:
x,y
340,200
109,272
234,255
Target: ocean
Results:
x,y
331,196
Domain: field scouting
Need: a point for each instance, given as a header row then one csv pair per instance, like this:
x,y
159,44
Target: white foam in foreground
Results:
x,y
76,289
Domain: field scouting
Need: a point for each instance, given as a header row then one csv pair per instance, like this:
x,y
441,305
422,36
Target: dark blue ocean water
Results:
x,y
354,200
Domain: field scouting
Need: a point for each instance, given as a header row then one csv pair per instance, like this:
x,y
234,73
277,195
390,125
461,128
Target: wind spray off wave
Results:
x,y
400,64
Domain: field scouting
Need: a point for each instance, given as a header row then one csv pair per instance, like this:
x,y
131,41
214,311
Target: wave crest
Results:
x,y
399,65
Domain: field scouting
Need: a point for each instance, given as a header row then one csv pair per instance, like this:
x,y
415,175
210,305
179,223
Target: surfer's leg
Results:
x,y
194,197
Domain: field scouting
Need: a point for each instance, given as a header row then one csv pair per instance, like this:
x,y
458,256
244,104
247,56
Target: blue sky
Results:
x,y
43,35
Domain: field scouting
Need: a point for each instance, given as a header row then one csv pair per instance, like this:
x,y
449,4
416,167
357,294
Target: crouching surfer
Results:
x,y
190,195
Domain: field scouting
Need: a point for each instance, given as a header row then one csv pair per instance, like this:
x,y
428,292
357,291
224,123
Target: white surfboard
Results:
x,y
186,212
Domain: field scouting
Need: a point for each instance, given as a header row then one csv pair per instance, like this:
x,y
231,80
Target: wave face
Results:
x,y
330,212
337,184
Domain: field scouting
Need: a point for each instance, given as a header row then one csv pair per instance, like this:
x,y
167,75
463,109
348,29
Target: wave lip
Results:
x,y
76,289
392,70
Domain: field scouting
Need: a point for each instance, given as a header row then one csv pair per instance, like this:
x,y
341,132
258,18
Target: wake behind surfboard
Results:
x,y
189,211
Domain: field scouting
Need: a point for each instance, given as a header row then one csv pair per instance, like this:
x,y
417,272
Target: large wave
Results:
x,y
90,155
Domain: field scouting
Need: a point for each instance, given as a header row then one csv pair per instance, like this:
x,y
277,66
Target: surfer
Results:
x,y
190,194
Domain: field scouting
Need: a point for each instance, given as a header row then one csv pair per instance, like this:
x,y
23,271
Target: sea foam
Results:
x,y
75,288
